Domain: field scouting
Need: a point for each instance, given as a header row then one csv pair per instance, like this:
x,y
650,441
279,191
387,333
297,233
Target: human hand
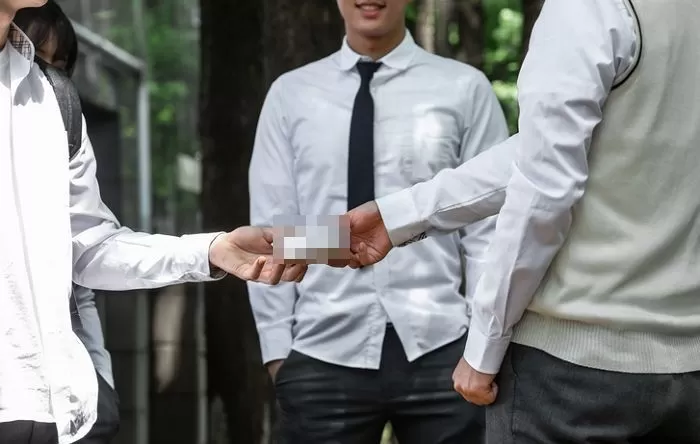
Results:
x,y
273,367
246,253
476,387
369,239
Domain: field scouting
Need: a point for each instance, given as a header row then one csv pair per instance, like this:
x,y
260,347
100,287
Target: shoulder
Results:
x,y
309,74
452,72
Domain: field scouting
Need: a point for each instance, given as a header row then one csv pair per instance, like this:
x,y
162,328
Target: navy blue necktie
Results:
x,y
361,149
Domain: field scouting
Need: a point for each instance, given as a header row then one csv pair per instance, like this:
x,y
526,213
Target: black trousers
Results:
x,y
321,403
107,424
545,400
104,430
28,432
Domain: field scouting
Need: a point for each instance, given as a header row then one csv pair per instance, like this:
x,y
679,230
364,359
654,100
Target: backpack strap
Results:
x,y
69,103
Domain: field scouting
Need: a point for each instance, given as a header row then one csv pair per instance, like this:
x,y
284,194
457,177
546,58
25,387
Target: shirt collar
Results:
x,y
21,53
21,43
399,58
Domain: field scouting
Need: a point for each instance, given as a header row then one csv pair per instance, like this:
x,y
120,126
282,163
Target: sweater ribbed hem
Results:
x,y
605,348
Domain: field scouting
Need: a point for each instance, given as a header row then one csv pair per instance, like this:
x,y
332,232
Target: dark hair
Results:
x,y
46,22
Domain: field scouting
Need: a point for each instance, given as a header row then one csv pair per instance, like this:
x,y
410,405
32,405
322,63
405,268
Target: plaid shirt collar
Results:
x,y
21,43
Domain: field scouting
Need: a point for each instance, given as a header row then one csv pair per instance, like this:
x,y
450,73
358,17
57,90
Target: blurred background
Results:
x,y
171,93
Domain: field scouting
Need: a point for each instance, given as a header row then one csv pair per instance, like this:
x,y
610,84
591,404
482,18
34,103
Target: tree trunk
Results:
x,y
425,24
468,14
244,46
443,17
433,26
231,95
531,10
298,32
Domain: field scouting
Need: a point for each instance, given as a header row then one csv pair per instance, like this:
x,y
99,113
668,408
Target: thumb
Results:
x,y
492,394
362,255
268,234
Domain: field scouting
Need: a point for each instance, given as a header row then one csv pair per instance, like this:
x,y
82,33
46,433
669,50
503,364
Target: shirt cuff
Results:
x,y
485,354
275,343
401,217
199,244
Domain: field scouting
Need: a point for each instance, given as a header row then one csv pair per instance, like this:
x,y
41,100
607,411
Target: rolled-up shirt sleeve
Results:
x,y
108,256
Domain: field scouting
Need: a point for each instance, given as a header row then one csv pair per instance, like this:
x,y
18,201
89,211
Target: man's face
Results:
x,y
373,18
16,5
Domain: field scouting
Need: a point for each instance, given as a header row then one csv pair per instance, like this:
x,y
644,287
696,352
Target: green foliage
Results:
x,y
503,27
503,23
411,12
173,60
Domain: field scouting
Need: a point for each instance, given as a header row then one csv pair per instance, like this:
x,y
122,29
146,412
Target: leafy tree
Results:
x,y
487,34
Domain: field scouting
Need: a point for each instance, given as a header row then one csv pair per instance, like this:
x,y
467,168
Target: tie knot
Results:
x,y
367,70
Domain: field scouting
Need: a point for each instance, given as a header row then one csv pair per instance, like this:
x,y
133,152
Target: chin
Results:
x,y
371,30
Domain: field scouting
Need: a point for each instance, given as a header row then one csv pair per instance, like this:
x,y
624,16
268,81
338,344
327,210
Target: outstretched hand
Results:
x,y
246,253
369,239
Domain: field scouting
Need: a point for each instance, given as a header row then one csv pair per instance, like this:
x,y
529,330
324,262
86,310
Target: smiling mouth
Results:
x,y
370,6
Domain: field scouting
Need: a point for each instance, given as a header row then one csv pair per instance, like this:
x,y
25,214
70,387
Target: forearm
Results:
x,y
475,241
526,241
453,199
108,257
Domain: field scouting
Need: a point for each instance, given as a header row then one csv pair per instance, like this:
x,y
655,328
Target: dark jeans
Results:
x,y
544,400
107,424
322,403
28,432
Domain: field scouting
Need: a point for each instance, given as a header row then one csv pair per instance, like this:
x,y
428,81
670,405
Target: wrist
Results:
x,y
215,255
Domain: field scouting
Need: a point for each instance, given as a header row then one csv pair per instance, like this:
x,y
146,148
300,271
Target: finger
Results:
x,y
294,273
363,254
256,269
302,274
461,390
338,263
355,262
477,396
355,245
288,262
275,273
494,394
268,234
480,398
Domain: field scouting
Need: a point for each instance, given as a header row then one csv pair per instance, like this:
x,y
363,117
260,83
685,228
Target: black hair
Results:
x,y
46,22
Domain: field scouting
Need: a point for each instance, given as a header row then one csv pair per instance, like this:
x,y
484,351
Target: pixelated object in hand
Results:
x,y
311,239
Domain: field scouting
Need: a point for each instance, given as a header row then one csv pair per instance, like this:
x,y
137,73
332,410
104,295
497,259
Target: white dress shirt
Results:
x,y
431,113
578,52
45,372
